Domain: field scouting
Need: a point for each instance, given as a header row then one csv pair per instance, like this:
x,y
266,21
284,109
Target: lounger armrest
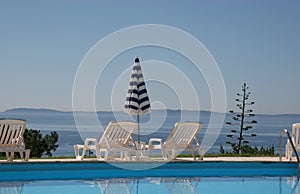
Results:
x,y
88,141
158,140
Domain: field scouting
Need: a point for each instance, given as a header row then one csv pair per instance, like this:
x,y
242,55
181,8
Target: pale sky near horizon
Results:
x,y
42,44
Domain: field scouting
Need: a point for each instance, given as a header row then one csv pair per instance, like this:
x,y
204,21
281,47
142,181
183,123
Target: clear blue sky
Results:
x,y
43,42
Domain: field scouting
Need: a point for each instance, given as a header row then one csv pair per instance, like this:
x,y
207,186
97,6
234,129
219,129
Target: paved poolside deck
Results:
x,y
208,159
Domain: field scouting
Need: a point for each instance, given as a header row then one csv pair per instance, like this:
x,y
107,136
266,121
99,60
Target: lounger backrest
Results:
x,y
295,133
183,134
11,131
118,134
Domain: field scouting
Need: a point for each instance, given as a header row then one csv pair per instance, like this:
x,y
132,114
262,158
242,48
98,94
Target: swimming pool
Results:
x,y
173,177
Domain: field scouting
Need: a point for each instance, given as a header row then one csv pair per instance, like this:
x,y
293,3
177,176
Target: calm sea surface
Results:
x,y
158,124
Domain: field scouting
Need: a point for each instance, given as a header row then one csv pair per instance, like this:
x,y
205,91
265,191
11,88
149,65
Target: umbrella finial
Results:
x,y
137,59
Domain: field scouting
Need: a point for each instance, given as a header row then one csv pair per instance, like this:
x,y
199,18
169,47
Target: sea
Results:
x,y
74,127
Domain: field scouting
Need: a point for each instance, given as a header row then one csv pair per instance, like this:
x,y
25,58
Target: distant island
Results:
x,y
44,110
48,111
31,110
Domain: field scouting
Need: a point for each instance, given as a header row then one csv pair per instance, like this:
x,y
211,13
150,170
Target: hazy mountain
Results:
x,y
31,110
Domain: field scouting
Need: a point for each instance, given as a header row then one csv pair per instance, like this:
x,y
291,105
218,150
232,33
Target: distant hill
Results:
x,y
31,110
43,110
205,112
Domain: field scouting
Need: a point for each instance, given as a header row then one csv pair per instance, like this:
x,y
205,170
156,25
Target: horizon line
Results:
x,y
69,111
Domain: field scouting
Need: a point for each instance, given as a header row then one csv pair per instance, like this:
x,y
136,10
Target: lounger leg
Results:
x,y
99,157
27,154
127,155
193,153
98,153
76,152
114,154
164,154
287,150
167,154
122,153
201,153
22,155
83,153
10,156
106,155
174,154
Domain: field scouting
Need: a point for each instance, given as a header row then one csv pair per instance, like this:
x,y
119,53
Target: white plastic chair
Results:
x,y
181,138
115,138
295,139
11,138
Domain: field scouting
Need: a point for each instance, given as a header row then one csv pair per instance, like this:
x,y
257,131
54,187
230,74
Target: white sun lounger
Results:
x,y
115,138
181,138
295,139
11,138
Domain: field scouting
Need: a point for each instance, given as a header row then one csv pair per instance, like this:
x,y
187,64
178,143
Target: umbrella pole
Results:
x,y
138,121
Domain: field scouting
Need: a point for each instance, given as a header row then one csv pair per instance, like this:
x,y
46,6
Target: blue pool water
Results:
x,y
155,177
207,185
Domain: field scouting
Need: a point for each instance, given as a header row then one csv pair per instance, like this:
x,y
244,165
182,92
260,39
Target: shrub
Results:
x,y
40,146
251,151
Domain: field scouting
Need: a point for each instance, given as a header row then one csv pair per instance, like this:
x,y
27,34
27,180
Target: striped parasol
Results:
x,y
137,100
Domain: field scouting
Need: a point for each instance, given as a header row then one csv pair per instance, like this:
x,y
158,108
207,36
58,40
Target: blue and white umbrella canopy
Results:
x,y
137,100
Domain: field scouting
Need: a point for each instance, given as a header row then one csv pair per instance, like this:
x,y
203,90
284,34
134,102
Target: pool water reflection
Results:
x,y
157,185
